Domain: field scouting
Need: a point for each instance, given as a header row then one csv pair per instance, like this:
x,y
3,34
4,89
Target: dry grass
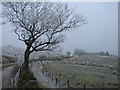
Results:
x,y
92,76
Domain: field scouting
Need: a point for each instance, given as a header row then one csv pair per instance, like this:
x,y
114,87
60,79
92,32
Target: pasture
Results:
x,y
92,71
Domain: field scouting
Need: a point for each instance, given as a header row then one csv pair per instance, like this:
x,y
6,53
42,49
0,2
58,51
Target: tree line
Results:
x,y
79,52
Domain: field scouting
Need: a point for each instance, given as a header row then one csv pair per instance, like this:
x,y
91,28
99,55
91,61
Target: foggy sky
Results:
x,y
100,34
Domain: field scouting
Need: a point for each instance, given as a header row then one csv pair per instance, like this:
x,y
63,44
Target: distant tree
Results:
x,y
68,53
40,24
102,53
79,52
107,54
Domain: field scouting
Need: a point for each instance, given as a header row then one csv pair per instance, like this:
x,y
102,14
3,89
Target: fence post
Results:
x,y
52,77
68,81
84,86
56,80
48,77
43,71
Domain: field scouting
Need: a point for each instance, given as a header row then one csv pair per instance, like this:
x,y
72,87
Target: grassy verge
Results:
x,y
5,65
26,79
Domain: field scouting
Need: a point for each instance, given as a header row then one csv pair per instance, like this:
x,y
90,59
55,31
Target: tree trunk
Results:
x,y
26,58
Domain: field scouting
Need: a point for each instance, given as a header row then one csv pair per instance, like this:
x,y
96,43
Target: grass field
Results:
x,y
93,76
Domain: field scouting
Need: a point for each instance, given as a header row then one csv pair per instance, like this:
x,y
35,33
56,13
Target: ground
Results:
x,y
92,71
26,79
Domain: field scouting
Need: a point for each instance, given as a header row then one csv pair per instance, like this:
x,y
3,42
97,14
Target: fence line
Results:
x,y
52,78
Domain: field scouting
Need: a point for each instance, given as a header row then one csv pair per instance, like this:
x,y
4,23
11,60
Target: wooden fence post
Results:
x,y
68,81
56,80
52,77
43,71
84,86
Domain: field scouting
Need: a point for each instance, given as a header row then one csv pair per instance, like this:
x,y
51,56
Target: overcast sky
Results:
x,y
100,34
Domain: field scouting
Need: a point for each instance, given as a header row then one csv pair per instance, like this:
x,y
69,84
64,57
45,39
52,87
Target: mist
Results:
x,y
99,34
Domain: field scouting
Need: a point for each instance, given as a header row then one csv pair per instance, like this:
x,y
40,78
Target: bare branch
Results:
x,y
40,25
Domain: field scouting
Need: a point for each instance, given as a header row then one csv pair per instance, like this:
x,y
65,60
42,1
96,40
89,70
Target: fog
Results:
x,y
99,34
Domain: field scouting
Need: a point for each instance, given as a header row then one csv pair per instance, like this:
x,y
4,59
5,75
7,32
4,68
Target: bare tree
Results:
x,y
40,24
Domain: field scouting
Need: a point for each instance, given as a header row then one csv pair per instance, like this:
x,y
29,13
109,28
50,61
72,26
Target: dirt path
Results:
x,y
41,79
6,76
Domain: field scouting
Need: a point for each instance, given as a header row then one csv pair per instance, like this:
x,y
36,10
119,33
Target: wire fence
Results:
x,y
52,78
59,83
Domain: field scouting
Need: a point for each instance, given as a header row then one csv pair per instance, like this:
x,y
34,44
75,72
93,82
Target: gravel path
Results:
x,y
41,79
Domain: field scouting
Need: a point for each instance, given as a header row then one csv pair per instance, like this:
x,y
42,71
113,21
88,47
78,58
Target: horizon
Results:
x,y
62,51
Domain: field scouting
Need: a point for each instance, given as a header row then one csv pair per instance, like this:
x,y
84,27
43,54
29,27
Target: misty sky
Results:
x,y
100,34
